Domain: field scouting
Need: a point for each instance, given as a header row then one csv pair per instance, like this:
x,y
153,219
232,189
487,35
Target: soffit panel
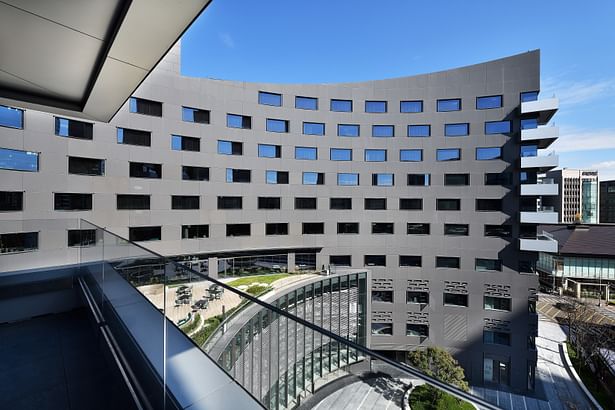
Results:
x,y
164,22
90,17
114,80
46,54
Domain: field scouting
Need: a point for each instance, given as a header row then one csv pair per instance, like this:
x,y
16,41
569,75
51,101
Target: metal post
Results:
x,y
600,287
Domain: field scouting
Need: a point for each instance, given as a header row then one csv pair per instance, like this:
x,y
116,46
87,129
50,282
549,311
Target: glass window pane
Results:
x,y
274,125
11,117
497,127
410,155
375,155
306,103
383,130
313,178
528,150
339,154
176,142
225,147
411,106
18,160
238,121
529,123
488,153
449,154
486,103
456,130
307,153
265,98
347,179
313,128
268,151
271,177
376,106
418,179
529,96
348,130
449,105
383,179
341,105
419,130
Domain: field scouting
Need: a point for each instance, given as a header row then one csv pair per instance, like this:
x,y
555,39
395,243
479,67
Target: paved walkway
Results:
x,y
558,391
379,393
547,305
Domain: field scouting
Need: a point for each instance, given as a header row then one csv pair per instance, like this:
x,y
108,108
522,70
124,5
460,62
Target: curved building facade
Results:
x,y
419,179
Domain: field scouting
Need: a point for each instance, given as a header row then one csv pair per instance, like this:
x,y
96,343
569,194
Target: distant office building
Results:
x,y
578,194
583,258
607,201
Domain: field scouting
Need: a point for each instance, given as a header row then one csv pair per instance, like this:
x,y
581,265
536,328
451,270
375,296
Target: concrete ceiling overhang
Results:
x,y
84,58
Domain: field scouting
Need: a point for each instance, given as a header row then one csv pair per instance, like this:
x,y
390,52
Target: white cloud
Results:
x,y
572,139
577,92
227,40
606,170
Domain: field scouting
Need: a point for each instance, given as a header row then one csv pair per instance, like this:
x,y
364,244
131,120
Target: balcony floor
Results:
x,y
55,362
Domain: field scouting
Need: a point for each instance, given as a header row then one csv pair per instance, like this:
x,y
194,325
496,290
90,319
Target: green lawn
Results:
x,y
210,325
264,279
589,379
420,399
257,290
193,324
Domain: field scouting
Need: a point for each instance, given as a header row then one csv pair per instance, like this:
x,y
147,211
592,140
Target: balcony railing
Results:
x,y
543,108
274,355
542,136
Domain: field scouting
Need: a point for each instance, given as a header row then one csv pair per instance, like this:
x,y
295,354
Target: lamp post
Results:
x,y
600,286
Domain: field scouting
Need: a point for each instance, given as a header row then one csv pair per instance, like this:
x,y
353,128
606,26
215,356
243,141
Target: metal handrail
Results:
x,y
397,365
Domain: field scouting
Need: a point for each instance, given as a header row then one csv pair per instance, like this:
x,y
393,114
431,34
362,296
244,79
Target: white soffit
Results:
x,y
84,58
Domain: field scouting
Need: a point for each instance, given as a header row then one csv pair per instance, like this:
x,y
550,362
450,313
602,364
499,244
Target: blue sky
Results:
x,y
331,41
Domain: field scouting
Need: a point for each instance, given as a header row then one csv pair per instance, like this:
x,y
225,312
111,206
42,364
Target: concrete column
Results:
x,y
292,267
320,261
213,267
577,289
608,294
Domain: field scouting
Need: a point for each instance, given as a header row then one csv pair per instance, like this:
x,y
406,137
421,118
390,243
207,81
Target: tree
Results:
x,y
438,363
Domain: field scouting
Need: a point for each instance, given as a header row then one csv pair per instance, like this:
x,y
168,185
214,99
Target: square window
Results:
x,y
376,106
456,130
451,262
273,125
410,155
273,99
348,130
11,117
306,153
375,155
489,102
411,106
498,127
306,103
447,105
341,154
383,179
341,105
195,115
347,179
383,131
419,130
313,128
448,154
488,153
